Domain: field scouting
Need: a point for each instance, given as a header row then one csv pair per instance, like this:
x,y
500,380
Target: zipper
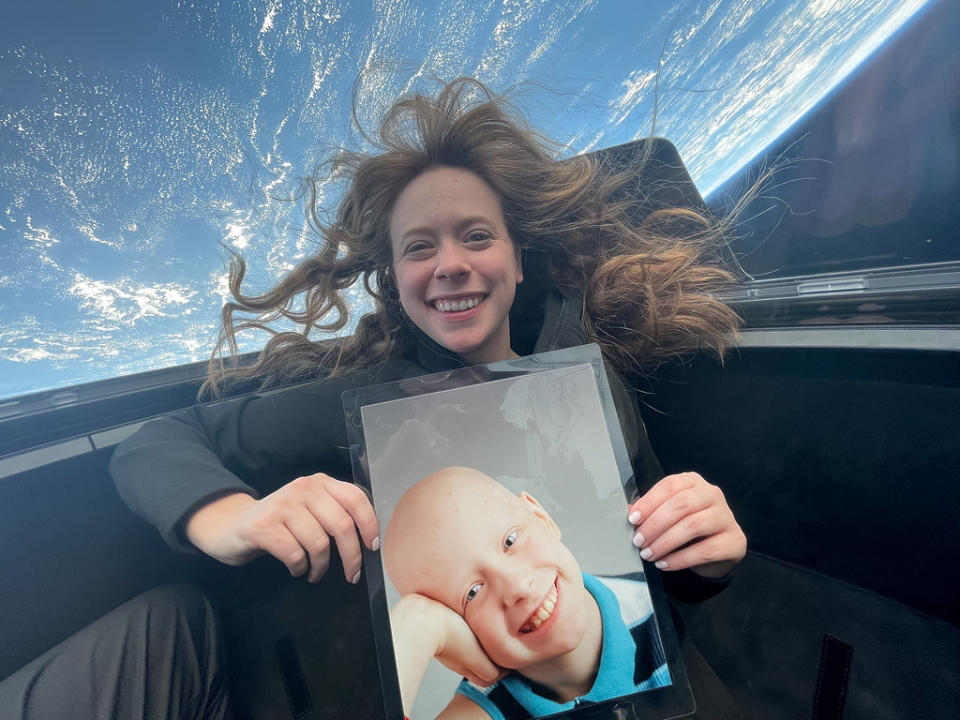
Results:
x,y
552,345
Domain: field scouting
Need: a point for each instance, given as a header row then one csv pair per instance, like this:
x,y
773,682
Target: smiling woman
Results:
x,y
462,204
831,429
649,271
455,266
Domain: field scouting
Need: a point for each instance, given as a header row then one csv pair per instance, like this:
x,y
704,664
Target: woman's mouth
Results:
x,y
544,612
452,305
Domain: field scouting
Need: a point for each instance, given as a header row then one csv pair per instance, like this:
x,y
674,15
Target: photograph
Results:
x,y
513,586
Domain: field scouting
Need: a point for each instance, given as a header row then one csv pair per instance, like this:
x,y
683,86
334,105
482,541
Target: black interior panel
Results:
x,y
841,461
839,464
764,634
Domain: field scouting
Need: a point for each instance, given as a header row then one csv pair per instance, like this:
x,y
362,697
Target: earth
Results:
x,y
138,141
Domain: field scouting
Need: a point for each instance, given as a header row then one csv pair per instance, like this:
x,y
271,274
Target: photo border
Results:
x,y
674,700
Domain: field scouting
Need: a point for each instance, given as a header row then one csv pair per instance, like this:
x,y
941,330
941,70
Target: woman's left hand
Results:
x,y
685,522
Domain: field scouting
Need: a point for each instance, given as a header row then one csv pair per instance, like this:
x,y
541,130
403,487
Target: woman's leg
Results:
x,y
156,656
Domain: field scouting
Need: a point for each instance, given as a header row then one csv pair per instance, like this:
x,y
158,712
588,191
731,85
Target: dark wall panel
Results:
x,y
845,462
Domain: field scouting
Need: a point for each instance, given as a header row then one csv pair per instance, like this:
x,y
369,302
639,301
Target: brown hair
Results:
x,y
649,286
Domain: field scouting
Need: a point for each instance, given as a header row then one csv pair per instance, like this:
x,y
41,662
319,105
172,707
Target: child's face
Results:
x,y
495,558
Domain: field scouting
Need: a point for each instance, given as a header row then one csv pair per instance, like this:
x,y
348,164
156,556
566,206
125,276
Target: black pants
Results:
x,y
159,656
156,656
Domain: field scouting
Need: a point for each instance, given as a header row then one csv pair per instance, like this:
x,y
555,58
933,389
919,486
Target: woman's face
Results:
x,y
455,266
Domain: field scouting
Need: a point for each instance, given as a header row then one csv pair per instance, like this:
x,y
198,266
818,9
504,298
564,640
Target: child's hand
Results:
x,y
685,522
451,639
424,629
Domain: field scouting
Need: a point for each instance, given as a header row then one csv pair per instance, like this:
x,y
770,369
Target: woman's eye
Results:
x,y
479,236
417,248
473,591
510,539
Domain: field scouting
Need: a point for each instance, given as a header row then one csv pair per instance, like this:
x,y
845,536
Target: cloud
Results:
x,y
238,234
126,301
633,94
90,231
39,236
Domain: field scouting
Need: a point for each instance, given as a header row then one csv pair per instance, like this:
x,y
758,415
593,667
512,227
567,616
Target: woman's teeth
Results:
x,y
542,613
457,305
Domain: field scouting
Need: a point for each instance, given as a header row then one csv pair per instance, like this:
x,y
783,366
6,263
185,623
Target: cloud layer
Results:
x,y
125,184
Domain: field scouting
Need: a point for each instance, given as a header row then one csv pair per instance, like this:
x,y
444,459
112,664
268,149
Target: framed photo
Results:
x,y
501,495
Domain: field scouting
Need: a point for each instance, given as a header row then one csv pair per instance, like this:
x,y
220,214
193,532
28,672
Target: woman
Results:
x,y
476,246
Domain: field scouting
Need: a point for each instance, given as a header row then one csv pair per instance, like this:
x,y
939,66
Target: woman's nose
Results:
x,y
452,261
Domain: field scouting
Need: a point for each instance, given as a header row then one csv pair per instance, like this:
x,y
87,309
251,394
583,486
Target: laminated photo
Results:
x,y
501,495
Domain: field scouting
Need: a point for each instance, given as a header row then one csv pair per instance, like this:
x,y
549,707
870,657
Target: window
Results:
x,y
135,139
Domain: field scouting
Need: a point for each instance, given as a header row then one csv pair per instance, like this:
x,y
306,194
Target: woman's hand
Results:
x,y
685,522
295,524
423,629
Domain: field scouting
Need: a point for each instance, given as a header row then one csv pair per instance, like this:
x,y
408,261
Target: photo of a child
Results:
x,y
509,576
462,548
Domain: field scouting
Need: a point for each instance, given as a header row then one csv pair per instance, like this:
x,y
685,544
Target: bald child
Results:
x,y
490,590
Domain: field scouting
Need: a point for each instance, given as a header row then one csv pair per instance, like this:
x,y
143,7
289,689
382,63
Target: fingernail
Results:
x,y
660,564
634,518
638,539
646,554
356,578
375,545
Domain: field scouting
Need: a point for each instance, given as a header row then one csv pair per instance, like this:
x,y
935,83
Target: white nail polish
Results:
x,y
356,578
660,564
375,545
634,518
646,553
638,540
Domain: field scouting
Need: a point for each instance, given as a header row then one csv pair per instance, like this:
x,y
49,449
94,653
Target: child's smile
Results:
x,y
496,558
542,615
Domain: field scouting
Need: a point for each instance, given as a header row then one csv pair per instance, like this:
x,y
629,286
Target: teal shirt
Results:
x,y
631,657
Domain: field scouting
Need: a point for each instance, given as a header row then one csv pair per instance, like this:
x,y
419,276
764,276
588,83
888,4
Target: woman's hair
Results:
x,y
649,275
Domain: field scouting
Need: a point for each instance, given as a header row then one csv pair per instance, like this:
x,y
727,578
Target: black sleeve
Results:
x,y
683,585
687,586
250,444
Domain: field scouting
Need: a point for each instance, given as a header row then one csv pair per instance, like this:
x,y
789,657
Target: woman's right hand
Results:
x,y
295,524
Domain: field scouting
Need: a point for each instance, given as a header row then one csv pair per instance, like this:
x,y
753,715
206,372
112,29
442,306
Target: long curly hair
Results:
x,y
649,274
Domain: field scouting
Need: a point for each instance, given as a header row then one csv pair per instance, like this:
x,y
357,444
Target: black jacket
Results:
x,y
256,443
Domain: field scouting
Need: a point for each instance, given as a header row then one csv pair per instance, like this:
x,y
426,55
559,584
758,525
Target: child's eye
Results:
x,y
473,591
510,539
